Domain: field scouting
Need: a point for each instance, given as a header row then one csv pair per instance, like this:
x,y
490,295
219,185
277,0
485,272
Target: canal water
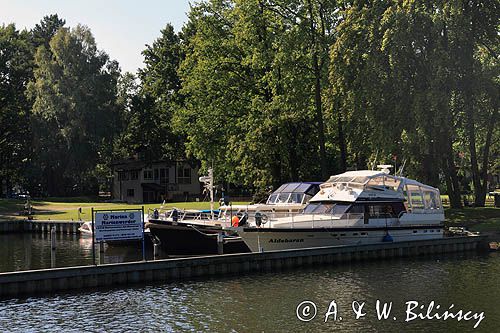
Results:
x,y
19,252
269,302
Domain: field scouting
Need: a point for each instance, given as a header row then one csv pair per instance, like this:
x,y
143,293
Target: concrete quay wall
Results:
x,y
29,283
42,226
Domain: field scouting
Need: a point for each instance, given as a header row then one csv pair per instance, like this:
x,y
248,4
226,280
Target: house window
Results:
x,y
134,175
130,192
184,175
157,174
163,176
148,174
122,175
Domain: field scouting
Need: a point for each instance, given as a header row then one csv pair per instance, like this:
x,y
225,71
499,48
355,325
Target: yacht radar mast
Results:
x,y
385,168
209,185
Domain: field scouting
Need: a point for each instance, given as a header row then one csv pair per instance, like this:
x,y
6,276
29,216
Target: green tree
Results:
x,y
254,77
161,84
407,70
473,33
16,58
73,92
43,31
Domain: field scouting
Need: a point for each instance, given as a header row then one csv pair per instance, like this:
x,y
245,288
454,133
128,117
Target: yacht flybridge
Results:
x,y
356,207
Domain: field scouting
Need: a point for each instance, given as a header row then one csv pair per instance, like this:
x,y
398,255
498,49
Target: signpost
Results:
x,y
117,225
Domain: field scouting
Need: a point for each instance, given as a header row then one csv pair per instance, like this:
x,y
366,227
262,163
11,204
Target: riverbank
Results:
x,y
12,209
482,219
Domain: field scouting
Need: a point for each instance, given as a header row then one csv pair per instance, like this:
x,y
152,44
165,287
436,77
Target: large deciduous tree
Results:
x,y
73,92
406,75
16,58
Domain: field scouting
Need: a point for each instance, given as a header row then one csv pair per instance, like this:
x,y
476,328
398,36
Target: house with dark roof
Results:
x,y
137,181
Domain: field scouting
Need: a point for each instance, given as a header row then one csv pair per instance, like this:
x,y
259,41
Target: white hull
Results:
x,y
356,207
273,240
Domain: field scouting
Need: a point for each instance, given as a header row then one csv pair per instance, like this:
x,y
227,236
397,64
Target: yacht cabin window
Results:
x,y
333,208
381,211
378,210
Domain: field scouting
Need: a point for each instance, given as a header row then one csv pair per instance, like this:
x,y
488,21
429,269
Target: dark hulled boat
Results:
x,y
189,238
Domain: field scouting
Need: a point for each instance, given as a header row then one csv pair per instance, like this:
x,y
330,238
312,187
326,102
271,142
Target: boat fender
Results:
x,y
258,219
175,215
243,219
387,238
235,221
156,214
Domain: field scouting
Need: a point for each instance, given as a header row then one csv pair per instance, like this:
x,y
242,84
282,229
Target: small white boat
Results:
x,y
356,207
86,229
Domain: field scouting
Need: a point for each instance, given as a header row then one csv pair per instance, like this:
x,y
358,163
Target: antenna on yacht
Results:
x,y
400,171
385,168
375,160
209,185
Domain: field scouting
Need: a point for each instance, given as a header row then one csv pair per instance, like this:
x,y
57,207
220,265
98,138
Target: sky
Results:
x,y
121,28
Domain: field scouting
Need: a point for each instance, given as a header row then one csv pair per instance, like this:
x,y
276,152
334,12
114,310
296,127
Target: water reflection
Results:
x,y
256,302
267,302
32,251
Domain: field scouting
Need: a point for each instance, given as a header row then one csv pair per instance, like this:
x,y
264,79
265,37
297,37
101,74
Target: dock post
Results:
x,y
101,253
156,251
52,247
220,243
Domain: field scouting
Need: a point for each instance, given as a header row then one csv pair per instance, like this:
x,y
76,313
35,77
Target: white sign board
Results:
x,y
112,226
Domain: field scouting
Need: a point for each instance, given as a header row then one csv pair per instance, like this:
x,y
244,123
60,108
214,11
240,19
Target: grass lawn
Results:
x,y
67,211
8,208
476,219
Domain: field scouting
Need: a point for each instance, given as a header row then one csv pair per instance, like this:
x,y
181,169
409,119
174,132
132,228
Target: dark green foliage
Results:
x,y
74,111
148,107
265,92
407,71
15,72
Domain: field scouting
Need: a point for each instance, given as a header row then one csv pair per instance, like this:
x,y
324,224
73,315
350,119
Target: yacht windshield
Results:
x,y
333,208
296,197
318,208
293,193
340,208
272,198
283,197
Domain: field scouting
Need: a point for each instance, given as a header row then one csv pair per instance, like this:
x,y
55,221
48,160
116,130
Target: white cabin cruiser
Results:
x,y
356,207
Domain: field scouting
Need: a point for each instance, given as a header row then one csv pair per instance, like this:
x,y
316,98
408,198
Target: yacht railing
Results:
x,y
425,210
183,215
305,220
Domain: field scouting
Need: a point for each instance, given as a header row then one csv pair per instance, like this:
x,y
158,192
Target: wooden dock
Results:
x,y
46,281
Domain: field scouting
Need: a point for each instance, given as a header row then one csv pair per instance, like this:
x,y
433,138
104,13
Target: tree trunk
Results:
x,y
481,196
292,154
468,99
342,144
452,184
317,95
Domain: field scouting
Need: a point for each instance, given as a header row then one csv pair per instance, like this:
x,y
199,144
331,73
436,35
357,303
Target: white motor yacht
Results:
x,y
356,207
